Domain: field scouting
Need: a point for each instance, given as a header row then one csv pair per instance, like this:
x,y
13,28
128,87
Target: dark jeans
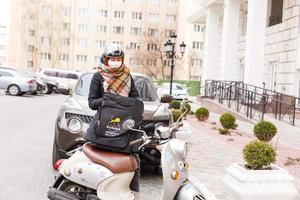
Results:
x,y
135,183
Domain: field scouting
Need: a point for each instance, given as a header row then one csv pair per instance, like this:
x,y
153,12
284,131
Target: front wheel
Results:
x,y
70,187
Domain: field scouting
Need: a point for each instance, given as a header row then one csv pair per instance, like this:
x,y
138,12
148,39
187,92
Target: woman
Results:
x,y
114,77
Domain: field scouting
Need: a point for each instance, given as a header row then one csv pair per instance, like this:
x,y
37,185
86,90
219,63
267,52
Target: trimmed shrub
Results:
x,y
186,106
258,154
265,131
202,113
223,131
227,120
176,113
175,104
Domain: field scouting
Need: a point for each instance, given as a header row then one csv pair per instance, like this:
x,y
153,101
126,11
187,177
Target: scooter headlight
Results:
x,y
74,125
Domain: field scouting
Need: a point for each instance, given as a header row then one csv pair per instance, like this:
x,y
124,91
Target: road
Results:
x,y
27,132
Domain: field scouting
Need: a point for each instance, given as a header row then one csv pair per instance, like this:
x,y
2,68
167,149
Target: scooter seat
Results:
x,y
115,162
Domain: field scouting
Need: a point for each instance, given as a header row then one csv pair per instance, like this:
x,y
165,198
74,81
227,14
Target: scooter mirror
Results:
x,y
128,124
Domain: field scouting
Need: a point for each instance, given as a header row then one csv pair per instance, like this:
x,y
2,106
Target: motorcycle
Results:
x,y
94,174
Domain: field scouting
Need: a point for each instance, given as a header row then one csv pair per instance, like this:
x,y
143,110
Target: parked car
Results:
x,y
51,86
40,84
16,82
66,79
178,91
75,115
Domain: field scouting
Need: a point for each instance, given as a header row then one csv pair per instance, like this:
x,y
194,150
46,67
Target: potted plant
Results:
x,y
176,113
184,107
259,178
227,120
175,104
202,114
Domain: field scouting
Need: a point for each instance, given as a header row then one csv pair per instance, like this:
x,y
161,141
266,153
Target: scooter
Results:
x,y
94,174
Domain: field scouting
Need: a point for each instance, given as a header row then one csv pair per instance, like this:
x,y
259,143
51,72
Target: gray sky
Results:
x,y
4,11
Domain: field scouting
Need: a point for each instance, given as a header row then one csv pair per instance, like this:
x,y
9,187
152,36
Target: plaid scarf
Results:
x,y
118,79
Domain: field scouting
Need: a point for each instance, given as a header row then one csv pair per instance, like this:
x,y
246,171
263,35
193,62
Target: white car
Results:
x,y
66,79
178,91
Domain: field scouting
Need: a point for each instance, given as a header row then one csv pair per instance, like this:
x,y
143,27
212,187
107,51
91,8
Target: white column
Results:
x,y
230,40
211,44
255,41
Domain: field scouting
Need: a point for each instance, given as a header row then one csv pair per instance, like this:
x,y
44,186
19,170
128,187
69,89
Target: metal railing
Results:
x,y
255,102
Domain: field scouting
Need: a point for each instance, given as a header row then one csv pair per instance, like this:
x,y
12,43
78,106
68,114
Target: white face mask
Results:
x,y
114,64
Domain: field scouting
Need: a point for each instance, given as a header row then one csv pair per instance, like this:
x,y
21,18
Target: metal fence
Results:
x,y
254,102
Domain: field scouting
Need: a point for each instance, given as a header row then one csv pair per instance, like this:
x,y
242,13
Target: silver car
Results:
x,y
16,82
76,107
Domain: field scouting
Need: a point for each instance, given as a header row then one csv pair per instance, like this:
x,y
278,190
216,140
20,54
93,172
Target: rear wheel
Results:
x,y
14,90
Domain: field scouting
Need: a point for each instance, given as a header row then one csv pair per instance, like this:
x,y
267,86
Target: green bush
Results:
x,y
228,121
202,113
176,113
265,131
223,131
175,104
258,154
186,106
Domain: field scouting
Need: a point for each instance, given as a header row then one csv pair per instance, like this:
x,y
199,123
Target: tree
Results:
x,y
152,48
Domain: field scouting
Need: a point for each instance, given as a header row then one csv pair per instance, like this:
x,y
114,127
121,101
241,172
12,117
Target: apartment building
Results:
x,y
70,34
255,41
3,43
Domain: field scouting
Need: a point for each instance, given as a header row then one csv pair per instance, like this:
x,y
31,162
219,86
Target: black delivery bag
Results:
x,y
109,131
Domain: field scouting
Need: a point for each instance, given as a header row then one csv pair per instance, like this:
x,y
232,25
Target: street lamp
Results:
x,y
171,54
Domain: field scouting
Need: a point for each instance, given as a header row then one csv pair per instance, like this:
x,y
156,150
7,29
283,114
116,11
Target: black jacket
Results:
x,y
95,99
97,91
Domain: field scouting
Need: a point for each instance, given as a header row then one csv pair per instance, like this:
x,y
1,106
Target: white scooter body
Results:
x,y
109,186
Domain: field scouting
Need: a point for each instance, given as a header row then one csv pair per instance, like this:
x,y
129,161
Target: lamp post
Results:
x,y
171,54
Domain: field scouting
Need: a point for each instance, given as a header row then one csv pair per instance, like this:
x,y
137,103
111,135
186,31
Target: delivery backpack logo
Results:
x,y
113,128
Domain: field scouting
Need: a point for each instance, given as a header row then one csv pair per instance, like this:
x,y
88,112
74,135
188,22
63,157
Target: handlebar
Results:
x,y
136,141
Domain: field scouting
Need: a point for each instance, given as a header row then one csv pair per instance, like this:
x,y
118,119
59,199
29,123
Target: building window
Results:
x,y
275,14
45,56
151,47
97,59
134,61
199,28
2,47
66,11
136,31
153,17
30,63
134,46
65,41
172,2
82,43
46,41
151,62
47,24
64,57
118,30
82,27
154,2
196,62
83,12
66,26
169,32
101,28
171,18
47,10
118,43
197,45
119,14
30,48
101,13
81,58
137,15
153,32
100,43
31,32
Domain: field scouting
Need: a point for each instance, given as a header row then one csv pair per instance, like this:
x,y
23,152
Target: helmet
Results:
x,y
111,50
